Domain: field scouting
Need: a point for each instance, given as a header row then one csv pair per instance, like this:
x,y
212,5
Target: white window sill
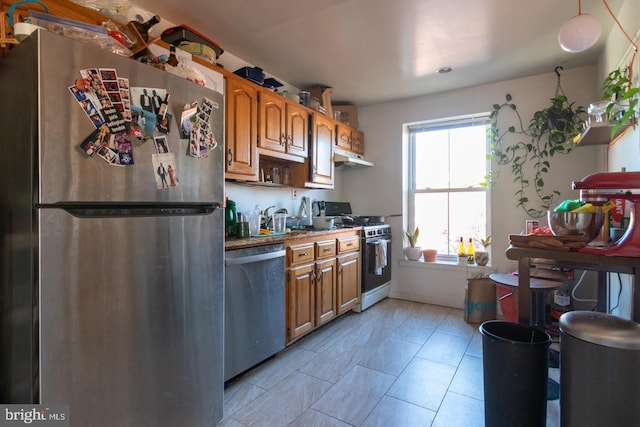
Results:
x,y
439,264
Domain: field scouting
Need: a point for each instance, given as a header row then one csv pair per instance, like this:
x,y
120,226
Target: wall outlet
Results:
x,y
294,193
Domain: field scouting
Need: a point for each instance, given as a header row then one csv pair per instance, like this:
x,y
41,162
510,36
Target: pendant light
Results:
x,y
580,32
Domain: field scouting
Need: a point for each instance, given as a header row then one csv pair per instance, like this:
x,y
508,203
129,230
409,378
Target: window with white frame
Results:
x,y
447,166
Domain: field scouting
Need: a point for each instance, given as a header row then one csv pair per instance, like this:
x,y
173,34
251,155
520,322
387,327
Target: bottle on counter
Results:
x,y
471,252
173,59
461,250
144,27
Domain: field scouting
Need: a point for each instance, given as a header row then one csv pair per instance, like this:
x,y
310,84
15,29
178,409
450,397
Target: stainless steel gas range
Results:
x,y
376,264
375,275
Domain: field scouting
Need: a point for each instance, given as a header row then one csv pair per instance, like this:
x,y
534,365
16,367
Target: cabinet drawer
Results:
x,y
325,249
299,254
348,244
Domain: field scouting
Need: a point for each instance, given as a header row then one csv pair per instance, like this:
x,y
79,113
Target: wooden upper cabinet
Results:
x,y
241,156
357,141
297,130
322,137
349,139
272,122
343,136
284,125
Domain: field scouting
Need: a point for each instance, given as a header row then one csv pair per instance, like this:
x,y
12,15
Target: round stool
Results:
x,y
539,287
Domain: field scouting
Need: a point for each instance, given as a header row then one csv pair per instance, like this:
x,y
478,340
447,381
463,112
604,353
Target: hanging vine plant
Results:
x,y
549,132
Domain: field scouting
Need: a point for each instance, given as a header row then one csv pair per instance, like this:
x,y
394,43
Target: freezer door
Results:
x,y
67,174
131,318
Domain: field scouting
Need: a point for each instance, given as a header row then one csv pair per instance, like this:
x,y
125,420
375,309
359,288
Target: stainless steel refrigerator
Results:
x,y
111,292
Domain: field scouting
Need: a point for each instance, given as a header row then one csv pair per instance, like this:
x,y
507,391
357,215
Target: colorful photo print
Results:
x,y
123,83
164,124
95,82
108,155
162,147
198,142
78,93
124,148
108,74
187,119
138,136
144,119
164,169
91,144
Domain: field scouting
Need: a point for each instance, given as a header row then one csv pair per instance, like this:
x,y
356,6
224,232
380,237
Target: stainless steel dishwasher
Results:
x,y
254,328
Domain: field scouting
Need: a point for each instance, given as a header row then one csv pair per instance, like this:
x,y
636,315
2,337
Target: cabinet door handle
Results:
x,y
303,254
283,139
349,245
326,250
229,157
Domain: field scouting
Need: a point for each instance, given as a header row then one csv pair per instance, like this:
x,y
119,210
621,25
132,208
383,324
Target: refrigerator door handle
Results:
x,y
110,211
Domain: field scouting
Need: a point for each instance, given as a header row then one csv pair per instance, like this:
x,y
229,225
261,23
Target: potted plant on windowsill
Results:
x,y
482,257
413,252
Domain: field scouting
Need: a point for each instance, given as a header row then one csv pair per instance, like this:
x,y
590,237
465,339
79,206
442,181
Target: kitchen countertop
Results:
x,y
235,243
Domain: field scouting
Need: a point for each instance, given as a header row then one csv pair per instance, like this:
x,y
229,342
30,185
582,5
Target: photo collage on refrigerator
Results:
x,y
127,116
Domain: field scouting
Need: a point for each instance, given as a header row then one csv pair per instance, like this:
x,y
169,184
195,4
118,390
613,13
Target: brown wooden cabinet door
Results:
x,y
297,130
322,150
301,300
343,136
241,157
348,282
357,141
272,122
325,291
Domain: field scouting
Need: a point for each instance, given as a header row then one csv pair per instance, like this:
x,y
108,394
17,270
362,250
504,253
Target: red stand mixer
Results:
x,y
602,186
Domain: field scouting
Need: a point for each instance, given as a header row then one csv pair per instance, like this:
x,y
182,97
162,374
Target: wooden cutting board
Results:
x,y
557,243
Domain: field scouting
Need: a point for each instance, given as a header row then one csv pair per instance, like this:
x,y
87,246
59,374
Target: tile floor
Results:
x,y
398,363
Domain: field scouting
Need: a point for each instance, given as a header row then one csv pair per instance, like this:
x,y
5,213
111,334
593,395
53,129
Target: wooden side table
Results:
x,y
603,264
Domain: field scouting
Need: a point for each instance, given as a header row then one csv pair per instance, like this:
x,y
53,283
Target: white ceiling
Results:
x,y
377,50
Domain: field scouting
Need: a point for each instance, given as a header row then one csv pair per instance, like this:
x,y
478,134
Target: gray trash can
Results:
x,y
599,370
515,361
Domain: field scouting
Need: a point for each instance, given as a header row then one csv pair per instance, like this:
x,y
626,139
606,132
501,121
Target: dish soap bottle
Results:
x,y
471,253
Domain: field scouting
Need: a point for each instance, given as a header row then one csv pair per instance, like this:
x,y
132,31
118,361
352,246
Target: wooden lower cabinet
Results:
x,y
325,291
301,301
348,286
323,281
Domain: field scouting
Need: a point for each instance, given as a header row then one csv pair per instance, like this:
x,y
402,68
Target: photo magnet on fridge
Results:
x,y
164,169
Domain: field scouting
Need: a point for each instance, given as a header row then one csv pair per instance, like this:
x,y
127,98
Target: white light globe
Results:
x,y
579,33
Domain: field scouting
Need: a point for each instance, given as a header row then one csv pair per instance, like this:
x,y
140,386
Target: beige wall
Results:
x,y
380,189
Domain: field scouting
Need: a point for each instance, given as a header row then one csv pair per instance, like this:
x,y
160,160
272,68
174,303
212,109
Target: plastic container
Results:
x,y
515,361
599,370
254,221
186,38
279,222
254,74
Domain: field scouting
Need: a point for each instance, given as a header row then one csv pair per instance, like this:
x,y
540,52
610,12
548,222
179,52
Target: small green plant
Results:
x,y
617,88
486,242
413,237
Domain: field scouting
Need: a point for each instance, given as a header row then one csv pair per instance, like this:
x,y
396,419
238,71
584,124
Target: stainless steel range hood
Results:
x,y
346,159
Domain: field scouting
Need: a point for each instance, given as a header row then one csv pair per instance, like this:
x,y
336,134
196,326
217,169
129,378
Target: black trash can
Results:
x,y
599,370
515,361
